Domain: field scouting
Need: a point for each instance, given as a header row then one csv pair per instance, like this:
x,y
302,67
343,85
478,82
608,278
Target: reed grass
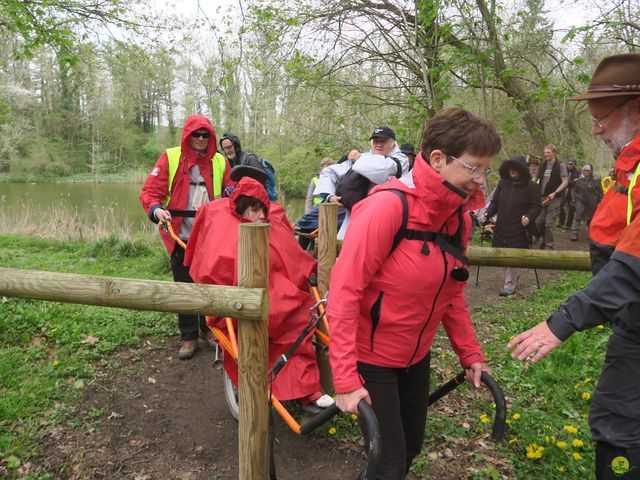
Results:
x,y
66,223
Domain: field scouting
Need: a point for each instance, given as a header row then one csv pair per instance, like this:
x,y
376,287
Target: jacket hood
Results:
x,y
193,123
235,140
249,187
517,163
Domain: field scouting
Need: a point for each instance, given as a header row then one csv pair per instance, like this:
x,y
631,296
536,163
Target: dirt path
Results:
x,y
150,416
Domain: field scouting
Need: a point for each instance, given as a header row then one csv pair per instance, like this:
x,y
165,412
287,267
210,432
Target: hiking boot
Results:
x,y
505,292
188,349
208,338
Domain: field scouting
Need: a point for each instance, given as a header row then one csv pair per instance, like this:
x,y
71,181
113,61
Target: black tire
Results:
x,y
230,394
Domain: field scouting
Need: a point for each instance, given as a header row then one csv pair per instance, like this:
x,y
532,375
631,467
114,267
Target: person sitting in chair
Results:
x,y
212,254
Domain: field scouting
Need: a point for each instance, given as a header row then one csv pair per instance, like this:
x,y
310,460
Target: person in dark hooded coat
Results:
x,y
517,202
230,145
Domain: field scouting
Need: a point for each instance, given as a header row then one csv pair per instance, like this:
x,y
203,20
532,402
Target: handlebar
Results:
x,y
500,419
371,431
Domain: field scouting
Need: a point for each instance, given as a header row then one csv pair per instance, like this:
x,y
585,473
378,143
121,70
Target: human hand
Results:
x,y
474,371
354,155
348,402
162,215
534,344
525,220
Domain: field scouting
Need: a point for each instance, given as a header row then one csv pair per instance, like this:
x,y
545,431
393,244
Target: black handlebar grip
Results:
x,y
369,424
499,422
319,419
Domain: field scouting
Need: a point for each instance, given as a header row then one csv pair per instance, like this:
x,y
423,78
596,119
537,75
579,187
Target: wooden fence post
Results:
x,y
327,251
253,357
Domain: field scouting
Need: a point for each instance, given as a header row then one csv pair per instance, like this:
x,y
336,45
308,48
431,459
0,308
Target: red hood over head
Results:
x,y
193,123
251,188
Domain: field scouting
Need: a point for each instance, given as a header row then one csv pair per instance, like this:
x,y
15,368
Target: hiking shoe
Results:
x,y
188,349
506,292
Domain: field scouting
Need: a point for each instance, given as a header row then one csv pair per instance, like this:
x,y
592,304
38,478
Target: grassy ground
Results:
x,y
49,350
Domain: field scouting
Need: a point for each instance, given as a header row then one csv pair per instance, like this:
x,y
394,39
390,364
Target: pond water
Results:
x,y
91,202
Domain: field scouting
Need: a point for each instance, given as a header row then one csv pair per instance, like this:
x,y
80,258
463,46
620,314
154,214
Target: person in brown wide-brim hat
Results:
x,y
615,76
612,297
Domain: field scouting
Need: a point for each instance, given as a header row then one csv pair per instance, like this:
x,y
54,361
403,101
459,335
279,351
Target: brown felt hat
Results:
x,y
615,76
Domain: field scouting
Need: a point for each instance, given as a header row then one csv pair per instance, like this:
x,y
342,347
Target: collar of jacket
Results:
x,y
629,156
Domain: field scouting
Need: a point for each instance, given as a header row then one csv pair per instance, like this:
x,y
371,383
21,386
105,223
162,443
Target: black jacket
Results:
x,y
242,157
511,200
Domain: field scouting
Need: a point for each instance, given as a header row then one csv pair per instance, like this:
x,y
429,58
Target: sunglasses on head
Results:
x,y
200,134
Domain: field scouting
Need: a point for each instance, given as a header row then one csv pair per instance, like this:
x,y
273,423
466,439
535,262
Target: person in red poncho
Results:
x,y
183,179
212,254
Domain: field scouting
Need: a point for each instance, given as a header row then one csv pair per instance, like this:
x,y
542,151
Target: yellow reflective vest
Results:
x,y
218,163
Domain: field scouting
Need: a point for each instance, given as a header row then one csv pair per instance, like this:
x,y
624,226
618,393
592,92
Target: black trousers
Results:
x,y
616,463
188,324
399,399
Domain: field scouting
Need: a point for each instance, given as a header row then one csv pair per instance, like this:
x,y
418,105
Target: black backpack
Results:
x,y
352,188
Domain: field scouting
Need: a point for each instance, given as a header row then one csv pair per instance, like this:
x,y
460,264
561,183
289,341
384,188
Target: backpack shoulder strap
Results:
x,y
405,218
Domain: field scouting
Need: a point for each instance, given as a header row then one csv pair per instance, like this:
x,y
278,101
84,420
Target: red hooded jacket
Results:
x,y
384,308
212,254
156,186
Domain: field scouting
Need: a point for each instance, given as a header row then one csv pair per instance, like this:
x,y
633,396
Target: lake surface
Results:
x,y
92,202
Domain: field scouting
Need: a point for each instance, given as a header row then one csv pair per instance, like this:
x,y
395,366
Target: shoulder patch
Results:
x,y
155,172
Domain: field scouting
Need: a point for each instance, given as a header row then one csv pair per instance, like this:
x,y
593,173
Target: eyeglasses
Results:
x,y
200,134
599,122
475,170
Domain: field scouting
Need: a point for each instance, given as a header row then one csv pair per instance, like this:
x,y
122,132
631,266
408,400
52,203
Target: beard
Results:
x,y
626,132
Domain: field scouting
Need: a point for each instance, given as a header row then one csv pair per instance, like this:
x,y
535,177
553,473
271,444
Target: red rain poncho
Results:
x,y
212,253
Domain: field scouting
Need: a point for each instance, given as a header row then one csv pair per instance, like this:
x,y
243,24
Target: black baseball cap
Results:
x,y
383,132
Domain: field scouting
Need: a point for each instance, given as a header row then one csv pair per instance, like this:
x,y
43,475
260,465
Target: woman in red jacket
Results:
x,y
385,303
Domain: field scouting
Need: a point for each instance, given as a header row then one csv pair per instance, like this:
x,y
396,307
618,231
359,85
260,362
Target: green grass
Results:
x,y
44,363
44,366
542,398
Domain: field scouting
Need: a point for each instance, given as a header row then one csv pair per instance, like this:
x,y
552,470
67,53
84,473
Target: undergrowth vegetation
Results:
x,y
49,351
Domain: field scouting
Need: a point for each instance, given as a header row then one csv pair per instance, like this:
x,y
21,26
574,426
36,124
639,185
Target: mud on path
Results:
x,y
148,415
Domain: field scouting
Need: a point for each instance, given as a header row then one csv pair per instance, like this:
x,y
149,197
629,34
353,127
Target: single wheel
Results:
x,y
230,394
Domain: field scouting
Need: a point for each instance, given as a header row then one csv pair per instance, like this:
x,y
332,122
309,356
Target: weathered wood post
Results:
x,y
327,251
253,356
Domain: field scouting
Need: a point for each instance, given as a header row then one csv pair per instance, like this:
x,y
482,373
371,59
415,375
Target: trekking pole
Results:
x,y
481,241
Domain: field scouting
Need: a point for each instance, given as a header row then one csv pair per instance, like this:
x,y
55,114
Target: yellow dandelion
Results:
x,y
332,431
484,418
561,444
586,396
56,363
507,421
576,456
516,416
600,327
571,429
354,416
587,380
561,469
547,439
534,451
577,443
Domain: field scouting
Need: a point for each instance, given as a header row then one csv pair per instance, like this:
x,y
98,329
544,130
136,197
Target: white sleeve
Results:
x,y
378,168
